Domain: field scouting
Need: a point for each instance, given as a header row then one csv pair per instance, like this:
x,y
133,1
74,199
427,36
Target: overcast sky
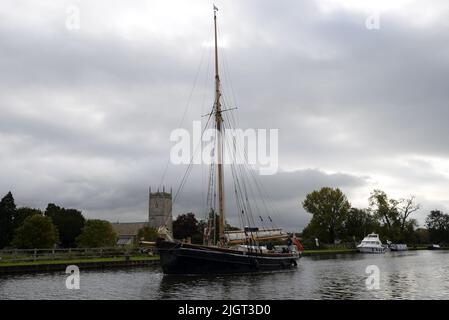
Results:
x,y
86,110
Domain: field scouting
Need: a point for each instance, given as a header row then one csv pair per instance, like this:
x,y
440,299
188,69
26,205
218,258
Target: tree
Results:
x,y
394,215
329,208
422,235
95,234
185,226
147,233
386,210
36,231
437,224
408,234
7,214
22,214
358,223
69,222
406,208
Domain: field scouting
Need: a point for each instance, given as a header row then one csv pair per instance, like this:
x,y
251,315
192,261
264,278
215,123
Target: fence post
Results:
x,y
35,254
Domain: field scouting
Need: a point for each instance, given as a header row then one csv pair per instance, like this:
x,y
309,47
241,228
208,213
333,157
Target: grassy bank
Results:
x,y
75,261
29,267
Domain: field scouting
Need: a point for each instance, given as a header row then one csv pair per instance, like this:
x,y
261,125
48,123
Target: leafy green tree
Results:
x,y
329,208
406,208
36,231
394,215
7,215
95,234
437,224
22,214
185,226
422,236
69,222
386,210
313,230
358,223
147,233
407,234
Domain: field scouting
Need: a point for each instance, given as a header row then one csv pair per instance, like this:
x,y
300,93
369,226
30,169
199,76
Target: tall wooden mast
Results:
x,y
219,120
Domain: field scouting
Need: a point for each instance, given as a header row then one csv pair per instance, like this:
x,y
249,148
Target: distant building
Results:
x,y
127,232
159,214
160,210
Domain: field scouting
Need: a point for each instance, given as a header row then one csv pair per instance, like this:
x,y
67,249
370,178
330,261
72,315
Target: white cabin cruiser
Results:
x,y
398,247
371,244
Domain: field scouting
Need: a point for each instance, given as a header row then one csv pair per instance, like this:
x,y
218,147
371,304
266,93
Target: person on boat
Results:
x,y
298,244
289,242
270,246
206,236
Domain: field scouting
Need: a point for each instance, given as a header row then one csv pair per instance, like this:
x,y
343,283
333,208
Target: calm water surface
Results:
x,y
403,275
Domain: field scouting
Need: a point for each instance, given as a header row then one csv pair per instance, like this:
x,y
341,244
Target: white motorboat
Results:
x,y
371,244
398,247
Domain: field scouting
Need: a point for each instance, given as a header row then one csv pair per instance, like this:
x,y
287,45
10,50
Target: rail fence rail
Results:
x,y
18,255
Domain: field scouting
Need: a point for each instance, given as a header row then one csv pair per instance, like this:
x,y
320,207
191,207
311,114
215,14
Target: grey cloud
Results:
x,y
86,116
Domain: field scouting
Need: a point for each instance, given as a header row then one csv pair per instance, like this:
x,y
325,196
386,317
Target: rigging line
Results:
x,y
186,108
227,72
235,179
244,197
252,191
203,103
190,163
205,204
259,184
208,205
240,205
245,189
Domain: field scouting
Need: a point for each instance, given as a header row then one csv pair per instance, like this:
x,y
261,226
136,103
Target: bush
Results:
x,y
96,234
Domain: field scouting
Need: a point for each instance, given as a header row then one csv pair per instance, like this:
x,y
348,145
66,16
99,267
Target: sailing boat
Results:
x,y
237,251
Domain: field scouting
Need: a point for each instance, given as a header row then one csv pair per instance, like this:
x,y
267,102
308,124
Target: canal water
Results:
x,y
402,275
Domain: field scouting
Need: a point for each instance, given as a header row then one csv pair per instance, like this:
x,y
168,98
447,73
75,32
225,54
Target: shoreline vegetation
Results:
x,y
33,240
23,267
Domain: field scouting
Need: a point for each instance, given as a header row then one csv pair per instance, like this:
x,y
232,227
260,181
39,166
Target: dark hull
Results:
x,y
181,258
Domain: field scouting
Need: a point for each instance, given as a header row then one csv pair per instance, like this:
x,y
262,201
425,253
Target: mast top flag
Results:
x,y
215,8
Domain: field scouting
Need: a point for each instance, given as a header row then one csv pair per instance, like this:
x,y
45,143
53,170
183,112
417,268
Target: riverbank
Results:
x,y
17,267
91,263
7,267
327,252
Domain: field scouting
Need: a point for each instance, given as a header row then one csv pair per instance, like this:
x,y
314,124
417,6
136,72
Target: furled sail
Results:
x,y
239,236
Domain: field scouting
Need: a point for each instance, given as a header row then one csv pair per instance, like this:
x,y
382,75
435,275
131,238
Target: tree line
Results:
x,y
28,228
334,219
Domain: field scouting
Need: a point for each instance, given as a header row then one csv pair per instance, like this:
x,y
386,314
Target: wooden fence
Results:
x,y
15,255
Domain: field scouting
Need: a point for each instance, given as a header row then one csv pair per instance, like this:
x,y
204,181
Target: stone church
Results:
x,y
159,214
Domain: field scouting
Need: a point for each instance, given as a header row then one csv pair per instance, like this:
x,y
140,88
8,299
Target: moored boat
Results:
x,y
228,251
371,244
183,258
398,247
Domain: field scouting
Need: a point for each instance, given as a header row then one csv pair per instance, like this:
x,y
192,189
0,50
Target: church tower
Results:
x,y
160,210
